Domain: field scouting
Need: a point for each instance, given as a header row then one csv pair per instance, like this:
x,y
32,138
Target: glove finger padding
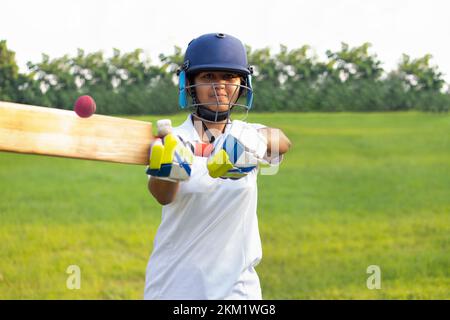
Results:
x,y
238,153
170,159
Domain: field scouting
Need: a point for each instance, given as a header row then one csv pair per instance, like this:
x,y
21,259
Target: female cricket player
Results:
x,y
204,174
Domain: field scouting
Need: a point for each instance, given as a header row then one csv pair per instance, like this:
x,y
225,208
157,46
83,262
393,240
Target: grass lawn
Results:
x,y
355,190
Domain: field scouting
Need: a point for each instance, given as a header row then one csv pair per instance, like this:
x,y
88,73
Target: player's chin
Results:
x,y
221,107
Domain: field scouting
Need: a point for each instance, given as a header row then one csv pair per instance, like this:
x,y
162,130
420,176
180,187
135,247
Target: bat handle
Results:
x,y
164,127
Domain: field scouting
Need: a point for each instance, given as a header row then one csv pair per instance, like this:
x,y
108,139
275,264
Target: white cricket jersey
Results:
x,y
208,243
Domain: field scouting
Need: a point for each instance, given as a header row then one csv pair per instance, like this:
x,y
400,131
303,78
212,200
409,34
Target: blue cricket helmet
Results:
x,y
215,52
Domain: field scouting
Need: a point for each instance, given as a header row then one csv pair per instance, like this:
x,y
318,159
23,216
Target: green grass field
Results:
x,y
355,190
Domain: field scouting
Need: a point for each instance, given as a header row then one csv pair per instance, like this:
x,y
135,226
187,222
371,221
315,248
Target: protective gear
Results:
x,y
214,52
213,116
238,152
219,52
170,159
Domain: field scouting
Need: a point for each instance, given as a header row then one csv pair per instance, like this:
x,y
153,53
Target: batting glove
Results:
x,y
170,157
237,153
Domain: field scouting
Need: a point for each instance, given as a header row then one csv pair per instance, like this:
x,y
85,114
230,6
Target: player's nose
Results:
x,y
219,89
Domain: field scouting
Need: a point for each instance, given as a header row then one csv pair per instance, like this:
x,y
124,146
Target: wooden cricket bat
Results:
x,y
56,132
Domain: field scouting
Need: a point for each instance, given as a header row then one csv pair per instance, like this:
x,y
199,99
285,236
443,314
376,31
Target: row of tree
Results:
x,y
351,79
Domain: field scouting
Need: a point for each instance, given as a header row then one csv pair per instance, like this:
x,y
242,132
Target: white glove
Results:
x,y
170,157
238,152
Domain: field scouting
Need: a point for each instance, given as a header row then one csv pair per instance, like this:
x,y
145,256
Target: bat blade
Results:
x,y
55,132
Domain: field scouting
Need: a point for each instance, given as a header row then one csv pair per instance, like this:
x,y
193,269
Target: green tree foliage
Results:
x,y
350,79
419,74
9,73
355,63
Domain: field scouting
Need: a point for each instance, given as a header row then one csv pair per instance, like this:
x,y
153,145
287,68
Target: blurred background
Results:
x,y
360,88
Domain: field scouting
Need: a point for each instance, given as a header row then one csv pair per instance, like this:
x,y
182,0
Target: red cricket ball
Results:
x,y
85,106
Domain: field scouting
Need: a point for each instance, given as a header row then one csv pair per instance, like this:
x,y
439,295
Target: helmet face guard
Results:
x,y
239,103
216,52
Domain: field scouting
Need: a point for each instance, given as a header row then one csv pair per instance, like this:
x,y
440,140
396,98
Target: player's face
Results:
x,y
218,89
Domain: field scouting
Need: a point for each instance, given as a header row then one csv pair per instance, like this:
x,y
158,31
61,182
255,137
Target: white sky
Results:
x,y
415,27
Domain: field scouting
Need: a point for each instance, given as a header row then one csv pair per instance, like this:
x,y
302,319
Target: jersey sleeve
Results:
x,y
272,160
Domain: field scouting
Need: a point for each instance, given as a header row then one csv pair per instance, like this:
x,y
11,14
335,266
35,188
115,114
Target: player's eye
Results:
x,y
208,76
230,76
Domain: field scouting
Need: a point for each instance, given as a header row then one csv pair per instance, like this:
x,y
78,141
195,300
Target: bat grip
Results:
x,y
164,127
